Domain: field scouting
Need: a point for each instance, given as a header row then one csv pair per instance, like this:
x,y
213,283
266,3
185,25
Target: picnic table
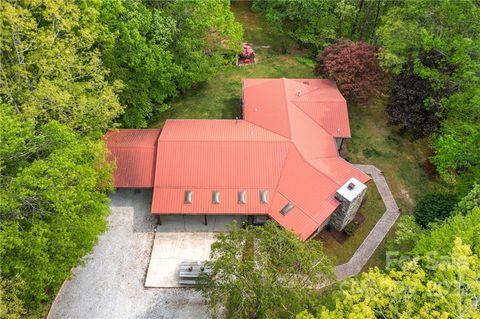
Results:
x,y
189,271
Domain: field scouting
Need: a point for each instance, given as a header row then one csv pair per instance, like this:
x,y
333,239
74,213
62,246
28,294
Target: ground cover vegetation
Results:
x,y
70,70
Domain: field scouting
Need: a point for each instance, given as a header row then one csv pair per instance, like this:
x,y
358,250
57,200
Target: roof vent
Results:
x,y
306,82
187,199
351,186
242,197
299,92
216,197
287,208
264,197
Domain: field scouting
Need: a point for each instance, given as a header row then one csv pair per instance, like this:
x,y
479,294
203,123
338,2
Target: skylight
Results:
x,y
288,207
188,197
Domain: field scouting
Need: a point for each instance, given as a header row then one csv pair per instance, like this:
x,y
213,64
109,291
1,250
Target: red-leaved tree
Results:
x,y
354,67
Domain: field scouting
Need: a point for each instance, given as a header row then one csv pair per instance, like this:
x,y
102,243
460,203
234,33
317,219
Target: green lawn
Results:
x,y
372,209
219,98
373,141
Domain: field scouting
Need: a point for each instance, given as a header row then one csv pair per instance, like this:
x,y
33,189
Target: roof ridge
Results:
x,y
288,109
319,125
229,141
281,172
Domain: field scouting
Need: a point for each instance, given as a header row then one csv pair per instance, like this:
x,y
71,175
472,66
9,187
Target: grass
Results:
x,y
401,159
219,98
372,209
373,141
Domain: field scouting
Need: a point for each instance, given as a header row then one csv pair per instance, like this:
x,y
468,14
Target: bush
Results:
x,y
354,66
350,229
434,207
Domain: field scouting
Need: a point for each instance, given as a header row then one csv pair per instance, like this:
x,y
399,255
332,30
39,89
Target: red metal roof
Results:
x,y
134,153
284,146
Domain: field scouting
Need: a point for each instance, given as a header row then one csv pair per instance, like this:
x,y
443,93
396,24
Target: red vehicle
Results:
x,y
247,56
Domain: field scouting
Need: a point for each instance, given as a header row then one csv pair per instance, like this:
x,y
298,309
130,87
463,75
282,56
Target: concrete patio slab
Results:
x,y
169,250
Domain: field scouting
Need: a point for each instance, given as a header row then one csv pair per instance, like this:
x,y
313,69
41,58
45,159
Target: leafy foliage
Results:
x,y
434,207
449,32
263,272
354,67
159,51
53,204
469,202
51,69
441,236
317,23
413,105
407,233
448,290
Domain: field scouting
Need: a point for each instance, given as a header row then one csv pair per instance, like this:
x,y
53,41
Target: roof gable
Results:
x,y
284,147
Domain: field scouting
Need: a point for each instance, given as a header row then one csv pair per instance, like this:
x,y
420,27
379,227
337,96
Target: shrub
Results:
x,y
354,66
350,229
434,207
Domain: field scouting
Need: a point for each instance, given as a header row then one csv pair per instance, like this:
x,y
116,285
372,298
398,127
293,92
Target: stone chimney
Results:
x,y
350,196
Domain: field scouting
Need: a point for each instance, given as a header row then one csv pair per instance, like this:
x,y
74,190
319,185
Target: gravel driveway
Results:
x,y
110,283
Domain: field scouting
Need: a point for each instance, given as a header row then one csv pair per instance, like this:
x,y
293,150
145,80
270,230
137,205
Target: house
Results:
x,y
280,160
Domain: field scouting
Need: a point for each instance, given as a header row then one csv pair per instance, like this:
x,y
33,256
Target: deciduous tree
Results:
x,y
50,67
449,290
53,204
263,272
354,67
413,104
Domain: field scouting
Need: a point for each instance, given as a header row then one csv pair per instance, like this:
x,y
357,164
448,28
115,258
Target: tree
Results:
x,y
470,201
158,51
407,233
449,32
140,57
50,67
354,67
434,207
441,235
53,204
449,290
413,104
317,23
207,37
263,272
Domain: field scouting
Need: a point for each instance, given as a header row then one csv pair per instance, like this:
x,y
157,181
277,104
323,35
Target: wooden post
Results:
x,y
159,220
205,220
